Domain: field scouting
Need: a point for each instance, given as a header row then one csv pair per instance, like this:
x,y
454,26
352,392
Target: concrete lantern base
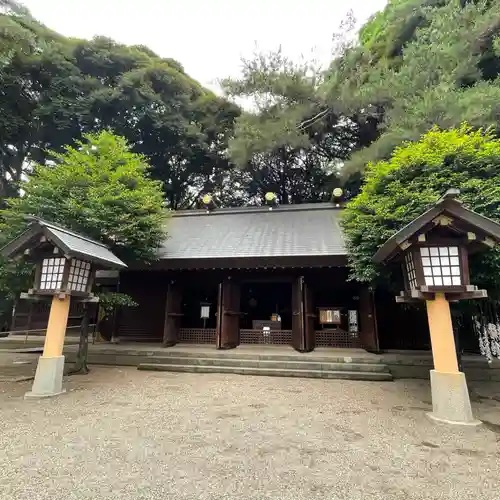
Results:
x,y
450,399
48,378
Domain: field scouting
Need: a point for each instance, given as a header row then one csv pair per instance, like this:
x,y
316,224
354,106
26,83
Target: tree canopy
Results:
x,y
54,89
415,176
289,141
416,64
413,65
99,188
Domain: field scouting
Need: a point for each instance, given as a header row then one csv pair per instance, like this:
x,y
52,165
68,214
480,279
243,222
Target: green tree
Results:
x,y
54,89
417,64
289,141
417,174
100,188
12,35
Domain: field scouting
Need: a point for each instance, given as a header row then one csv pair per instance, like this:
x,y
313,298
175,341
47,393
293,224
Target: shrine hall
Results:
x,y
250,275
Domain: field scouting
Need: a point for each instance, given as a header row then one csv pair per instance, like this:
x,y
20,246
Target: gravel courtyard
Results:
x,y
120,433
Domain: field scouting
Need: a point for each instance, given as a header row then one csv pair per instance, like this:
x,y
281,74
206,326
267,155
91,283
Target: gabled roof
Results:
x,y
449,206
71,243
308,230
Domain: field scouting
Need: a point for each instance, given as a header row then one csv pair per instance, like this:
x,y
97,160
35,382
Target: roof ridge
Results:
x,y
299,207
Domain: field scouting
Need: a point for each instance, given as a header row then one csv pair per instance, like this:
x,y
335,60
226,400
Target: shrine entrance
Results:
x,y
266,312
300,308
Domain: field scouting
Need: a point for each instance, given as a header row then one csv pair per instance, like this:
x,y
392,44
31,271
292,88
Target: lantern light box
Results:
x,y
435,266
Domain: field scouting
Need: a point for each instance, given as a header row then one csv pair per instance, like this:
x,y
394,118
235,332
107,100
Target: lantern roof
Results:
x,y
71,243
447,211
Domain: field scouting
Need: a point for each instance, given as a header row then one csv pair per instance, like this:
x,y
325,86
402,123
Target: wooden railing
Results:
x,y
335,337
197,335
268,337
324,338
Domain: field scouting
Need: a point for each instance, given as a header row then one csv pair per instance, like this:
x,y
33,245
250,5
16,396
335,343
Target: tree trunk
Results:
x,y
81,366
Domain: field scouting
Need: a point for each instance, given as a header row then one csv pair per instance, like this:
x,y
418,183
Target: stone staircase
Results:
x,y
308,365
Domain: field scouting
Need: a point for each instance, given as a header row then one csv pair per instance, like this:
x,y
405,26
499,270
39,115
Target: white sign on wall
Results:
x,y
205,312
353,321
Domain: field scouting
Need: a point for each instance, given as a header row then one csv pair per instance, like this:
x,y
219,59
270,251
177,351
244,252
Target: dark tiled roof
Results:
x,y
294,230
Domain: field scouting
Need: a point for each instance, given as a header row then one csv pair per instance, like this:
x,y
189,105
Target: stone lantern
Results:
x,y
65,265
434,254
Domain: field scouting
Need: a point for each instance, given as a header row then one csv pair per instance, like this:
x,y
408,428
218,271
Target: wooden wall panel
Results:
x,y
146,322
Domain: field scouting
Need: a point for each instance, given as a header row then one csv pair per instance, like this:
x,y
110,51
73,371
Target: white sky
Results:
x,y
208,38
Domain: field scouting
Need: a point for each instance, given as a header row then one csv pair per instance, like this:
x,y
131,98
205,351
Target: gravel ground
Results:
x,y
124,434
17,366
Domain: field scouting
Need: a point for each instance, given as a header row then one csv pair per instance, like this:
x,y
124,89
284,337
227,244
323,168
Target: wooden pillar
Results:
x,y
173,315
442,339
298,327
368,320
56,329
228,315
309,318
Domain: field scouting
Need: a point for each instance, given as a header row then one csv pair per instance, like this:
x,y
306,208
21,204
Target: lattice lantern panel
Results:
x,y
441,265
79,276
51,275
411,273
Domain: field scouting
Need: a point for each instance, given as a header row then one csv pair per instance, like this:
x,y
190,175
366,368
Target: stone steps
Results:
x,y
269,364
278,362
269,371
339,357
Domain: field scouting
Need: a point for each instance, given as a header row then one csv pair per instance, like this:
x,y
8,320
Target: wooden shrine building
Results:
x,y
251,275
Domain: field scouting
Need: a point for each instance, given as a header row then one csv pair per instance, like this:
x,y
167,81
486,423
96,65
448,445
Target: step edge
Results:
x,y
210,367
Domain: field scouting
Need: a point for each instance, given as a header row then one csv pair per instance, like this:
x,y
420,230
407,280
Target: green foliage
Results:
x,y
54,89
416,176
282,94
289,142
110,301
388,31
419,63
99,188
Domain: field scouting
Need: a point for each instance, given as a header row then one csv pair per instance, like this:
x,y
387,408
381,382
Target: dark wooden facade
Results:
x,y
164,316
169,304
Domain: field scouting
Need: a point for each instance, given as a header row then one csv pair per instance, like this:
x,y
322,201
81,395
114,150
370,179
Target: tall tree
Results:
x,y
416,64
63,88
289,141
98,187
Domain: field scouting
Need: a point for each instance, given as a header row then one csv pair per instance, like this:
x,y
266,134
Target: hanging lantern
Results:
x,y
208,202
271,199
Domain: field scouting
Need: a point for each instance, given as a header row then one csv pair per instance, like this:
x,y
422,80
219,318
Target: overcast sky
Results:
x,y
207,37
